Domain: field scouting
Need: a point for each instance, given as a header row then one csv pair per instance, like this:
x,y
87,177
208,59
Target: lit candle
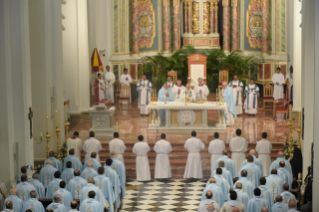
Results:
x,y
66,112
56,118
47,124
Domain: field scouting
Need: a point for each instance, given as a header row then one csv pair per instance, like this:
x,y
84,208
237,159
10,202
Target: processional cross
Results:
x,y
55,189
30,116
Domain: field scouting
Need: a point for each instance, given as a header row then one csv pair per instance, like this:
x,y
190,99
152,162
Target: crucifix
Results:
x,y
30,116
77,188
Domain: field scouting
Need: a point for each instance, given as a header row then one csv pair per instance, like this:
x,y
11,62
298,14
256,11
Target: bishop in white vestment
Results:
x,y
263,148
126,79
194,164
117,145
109,78
179,91
162,164
144,88
251,93
238,147
216,148
237,86
140,149
278,79
201,90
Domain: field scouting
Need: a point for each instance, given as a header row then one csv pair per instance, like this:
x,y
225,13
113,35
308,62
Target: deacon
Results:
x,y
162,164
215,189
251,93
229,100
279,206
209,200
238,147
278,79
274,183
109,78
216,147
66,197
144,87
76,184
91,204
257,202
47,173
284,174
229,163
99,89
117,145
76,163
55,162
275,163
263,148
75,143
24,188
33,203
165,95
57,204
201,90
287,195
289,79
120,170
170,83
126,79
89,171
140,149
225,173
257,161
92,187
266,192
96,164
38,186
254,172
194,164
114,178
189,92
247,186
68,173
16,201
237,87
92,145
179,91
54,185
241,195
229,205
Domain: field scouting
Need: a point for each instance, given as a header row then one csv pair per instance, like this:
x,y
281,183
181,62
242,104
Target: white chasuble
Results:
x,y
144,88
179,93
278,90
201,92
251,103
109,81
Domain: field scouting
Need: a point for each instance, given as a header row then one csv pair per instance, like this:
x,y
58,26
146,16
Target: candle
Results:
x,y
66,113
47,124
117,126
93,128
290,106
56,118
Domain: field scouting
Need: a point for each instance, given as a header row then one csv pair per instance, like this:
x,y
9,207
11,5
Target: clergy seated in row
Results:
x,y
257,161
76,163
91,204
247,186
208,204
254,172
99,196
140,149
216,190
274,183
57,204
76,184
256,203
16,201
144,87
68,173
89,171
221,182
238,147
201,90
162,164
75,143
47,173
225,174
179,91
55,162
228,95
287,195
33,204
292,205
251,102
38,186
106,187
66,196
193,167
278,79
215,148
54,185
117,145
229,163
114,178
263,148
233,202
284,173
237,87
120,170
24,188
266,192
241,195
24,170
275,163
92,145
164,95
279,205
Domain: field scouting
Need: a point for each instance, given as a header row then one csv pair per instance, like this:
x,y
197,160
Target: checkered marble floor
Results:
x,y
163,195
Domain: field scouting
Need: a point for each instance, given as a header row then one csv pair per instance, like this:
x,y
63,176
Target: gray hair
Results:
x,y
91,180
13,191
252,152
49,162
292,203
57,198
224,83
212,180
35,176
33,194
90,164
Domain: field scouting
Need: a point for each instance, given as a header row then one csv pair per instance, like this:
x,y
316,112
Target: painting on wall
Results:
x,y
254,24
147,30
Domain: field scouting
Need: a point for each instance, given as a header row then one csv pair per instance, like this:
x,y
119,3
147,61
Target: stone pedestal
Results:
x,y
102,120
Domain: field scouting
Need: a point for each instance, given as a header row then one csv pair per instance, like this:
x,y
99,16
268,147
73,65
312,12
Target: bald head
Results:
x,y
13,191
49,162
252,152
292,204
235,209
264,209
90,164
209,194
280,154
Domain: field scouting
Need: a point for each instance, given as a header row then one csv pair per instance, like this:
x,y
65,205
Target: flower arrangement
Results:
x,y
286,149
64,151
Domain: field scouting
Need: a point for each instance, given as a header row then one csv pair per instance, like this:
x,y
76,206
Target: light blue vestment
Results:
x,y
229,165
275,164
266,193
256,203
76,185
57,207
34,205
217,193
98,194
162,98
24,189
226,174
89,173
286,196
247,186
96,164
115,179
39,188
120,169
223,184
285,176
240,84
105,185
67,175
91,205
66,197
47,174
274,184
253,173
241,197
53,186
17,202
55,163
257,161
76,163
229,99
279,207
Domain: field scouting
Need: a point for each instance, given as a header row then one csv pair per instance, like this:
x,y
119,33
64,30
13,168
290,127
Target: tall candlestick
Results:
x,y
66,112
290,107
47,124
56,118
300,120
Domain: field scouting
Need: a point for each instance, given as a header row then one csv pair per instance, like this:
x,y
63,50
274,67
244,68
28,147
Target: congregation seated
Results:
x,y
16,201
68,173
89,171
266,192
241,195
96,164
54,185
233,202
47,173
56,205
279,205
254,172
257,202
66,197
208,204
76,184
247,186
55,162
33,203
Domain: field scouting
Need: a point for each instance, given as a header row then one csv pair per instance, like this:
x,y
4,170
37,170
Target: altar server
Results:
x,y
284,174
57,204
33,203
117,145
179,91
38,186
165,95
120,170
266,192
251,93
55,162
238,147
229,205
229,163
92,145
99,89
254,172
257,161
96,164
216,147
274,183
237,86
76,163
215,189
241,195
194,164
68,173
247,186
201,90
47,173
257,203
263,148
170,83
91,204
286,194
225,173
92,187
105,185
24,188
275,163
162,164
229,100
140,149
54,185
209,200
144,87
89,171
75,143
278,79
109,78
16,201
76,184
114,178
66,197
279,206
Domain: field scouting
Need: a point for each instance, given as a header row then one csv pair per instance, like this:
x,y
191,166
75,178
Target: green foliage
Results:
x,y
64,151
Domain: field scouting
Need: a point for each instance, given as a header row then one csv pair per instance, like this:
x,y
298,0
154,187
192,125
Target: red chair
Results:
x,y
282,105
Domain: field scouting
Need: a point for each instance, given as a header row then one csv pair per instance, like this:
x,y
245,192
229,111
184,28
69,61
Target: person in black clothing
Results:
x,y
296,163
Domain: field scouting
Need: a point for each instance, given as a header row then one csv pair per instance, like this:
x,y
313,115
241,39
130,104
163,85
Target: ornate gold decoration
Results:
x,y
147,29
254,24
47,136
195,18
206,18
57,130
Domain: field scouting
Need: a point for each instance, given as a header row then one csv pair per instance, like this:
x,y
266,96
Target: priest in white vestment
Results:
x,y
75,143
92,145
257,161
215,189
229,163
140,149
216,148
170,83
188,93
225,173
238,147
247,185
279,206
278,79
162,164
117,145
290,80
193,167
241,195
99,89
201,90
203,205
237,86
263,148
251,102
233,203
229,100
144,87
179,91
266,192
109,78
275,163
126,79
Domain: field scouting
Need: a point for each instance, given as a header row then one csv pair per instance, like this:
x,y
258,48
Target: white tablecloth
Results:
x,y
190,106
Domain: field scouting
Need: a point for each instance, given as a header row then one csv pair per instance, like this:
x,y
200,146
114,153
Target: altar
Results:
x,y
181,117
